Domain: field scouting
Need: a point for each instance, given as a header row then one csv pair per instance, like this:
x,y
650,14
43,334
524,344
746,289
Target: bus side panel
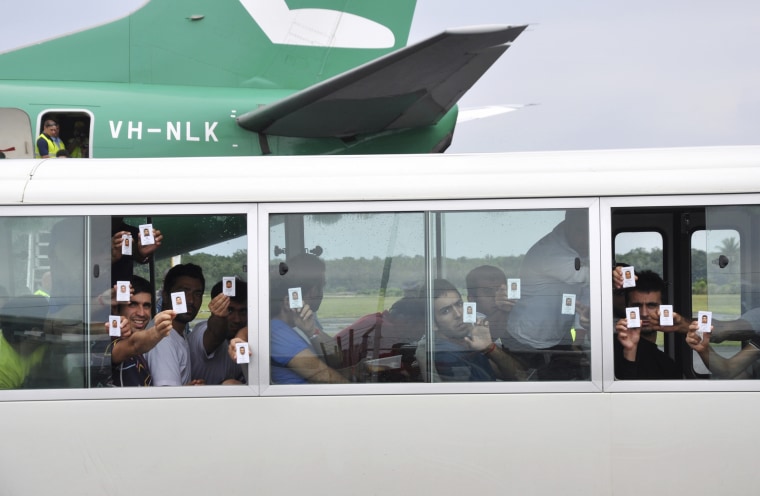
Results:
x,y
422,444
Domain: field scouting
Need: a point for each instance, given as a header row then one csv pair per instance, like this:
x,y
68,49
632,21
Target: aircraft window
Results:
x,y
379,321
59,278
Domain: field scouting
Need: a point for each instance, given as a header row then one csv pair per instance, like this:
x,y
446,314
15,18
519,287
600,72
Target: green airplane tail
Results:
x,y
270,44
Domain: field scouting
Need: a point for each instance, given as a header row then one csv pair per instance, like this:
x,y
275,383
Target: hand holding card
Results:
x,y
295,297
242,353
126,244
666,315
146,234
629,277
513,289
114,325
633,316
122,291
469,313
228,286
179,304
704,322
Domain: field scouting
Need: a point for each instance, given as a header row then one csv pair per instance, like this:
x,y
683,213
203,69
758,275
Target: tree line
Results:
x,y
365,275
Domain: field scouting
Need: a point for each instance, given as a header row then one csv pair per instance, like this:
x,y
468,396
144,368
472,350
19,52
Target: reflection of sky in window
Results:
x,y
467,234
478,234
225,248
366,235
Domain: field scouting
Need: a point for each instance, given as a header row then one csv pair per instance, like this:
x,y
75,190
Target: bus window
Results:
x,y
43,315
56,287
723,284
642,250
344,291
368,297
526,272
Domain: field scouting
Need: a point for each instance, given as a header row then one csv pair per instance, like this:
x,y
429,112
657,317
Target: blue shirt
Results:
x,y
284,344
457,363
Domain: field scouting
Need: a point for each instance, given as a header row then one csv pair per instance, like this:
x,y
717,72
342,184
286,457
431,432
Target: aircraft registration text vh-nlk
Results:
x,y
182,78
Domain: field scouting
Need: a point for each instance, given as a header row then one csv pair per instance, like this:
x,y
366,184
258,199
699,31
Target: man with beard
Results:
x,y
169,361
465,352
210,339
636,353
487,287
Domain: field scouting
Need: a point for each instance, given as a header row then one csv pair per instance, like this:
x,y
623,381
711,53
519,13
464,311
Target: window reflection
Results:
x,y
725,286
360,280
371,322
56,294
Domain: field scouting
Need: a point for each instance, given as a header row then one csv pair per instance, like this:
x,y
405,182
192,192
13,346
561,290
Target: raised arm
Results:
x,y
723,368
503,364
140,342
217,323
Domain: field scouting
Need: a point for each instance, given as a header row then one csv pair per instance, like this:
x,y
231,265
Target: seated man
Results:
x,y
128,365
636,353
19,356
210,339
465,352
294,358
487,287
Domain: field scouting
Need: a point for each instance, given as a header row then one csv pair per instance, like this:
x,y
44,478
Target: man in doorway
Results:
x,y
48,142
636,353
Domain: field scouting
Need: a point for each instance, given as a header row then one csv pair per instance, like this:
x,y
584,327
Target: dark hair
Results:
x,y
440,287
241,290
189,270
484,272
408,307
140,285
62,153
303,271
648,282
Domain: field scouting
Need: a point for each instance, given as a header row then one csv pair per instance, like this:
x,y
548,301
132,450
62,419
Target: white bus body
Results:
x,y
599,436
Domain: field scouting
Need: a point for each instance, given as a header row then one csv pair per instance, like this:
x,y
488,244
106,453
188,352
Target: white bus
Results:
x,y
402,420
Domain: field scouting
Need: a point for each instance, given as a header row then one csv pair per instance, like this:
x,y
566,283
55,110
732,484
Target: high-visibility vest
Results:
x,y
52,146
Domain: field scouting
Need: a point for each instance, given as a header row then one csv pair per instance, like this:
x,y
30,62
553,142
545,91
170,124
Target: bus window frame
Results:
x,y
680,385
591,386
248,209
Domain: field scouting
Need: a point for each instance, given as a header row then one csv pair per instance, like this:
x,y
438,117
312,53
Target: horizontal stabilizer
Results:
x,y
411,87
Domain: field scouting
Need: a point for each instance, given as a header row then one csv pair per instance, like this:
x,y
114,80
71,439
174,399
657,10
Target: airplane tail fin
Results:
x,y
230,43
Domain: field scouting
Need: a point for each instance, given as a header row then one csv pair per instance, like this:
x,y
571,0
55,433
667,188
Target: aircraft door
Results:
x,y
15,134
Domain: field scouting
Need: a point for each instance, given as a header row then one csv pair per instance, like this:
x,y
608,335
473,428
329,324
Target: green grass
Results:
x,y
347,306
725,304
